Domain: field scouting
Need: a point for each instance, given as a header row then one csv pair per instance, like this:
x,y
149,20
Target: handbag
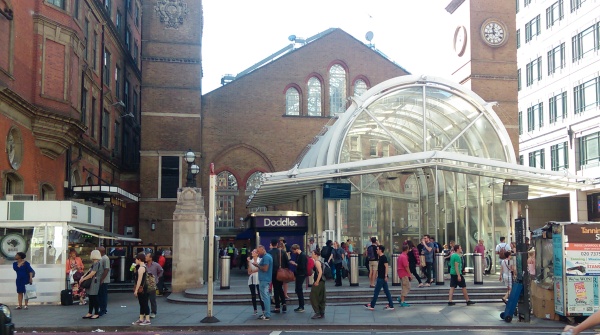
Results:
x,y
284,274
30,292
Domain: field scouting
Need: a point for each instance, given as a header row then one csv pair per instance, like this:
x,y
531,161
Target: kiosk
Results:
x,y
264,226
44,231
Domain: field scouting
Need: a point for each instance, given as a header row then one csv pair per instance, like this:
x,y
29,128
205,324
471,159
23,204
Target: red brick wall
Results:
x,y
54,70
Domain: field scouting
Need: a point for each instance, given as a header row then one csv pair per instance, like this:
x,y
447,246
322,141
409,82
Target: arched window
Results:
x,y
337,89
48,192
314,97
360,87
13,184
75,178
89,181
292,102
253,182
227,189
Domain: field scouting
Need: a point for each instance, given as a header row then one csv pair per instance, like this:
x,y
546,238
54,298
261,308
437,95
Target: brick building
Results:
x,y
69,103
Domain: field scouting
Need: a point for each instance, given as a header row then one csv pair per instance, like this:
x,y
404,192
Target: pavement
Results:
x,y
123,309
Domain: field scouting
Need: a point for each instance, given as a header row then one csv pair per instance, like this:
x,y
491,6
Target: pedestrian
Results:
x,y
161,260
506,274
447,256
350,246
265,275
480,249
104,280
403,269
280,259
456,279
501,247
153,269
382,279
140,290
92,292
311,245
371,255
317,291
326,251
253,282
243,259
336,259
231,252
413,260
428,252
282,246
300,264
25,275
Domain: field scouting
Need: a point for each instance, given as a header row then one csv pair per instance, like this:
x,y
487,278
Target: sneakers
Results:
x,y
388,308
317,316
368,306
404,304
450,303
137,322
152,315
284,308
145,323
470,302
263,317
299,310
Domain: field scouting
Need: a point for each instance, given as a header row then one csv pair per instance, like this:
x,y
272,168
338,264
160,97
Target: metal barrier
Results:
x,y
353,270
439,269
395,278
478,268
225,264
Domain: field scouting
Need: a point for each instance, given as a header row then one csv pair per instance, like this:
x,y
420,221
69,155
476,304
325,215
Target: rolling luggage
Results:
x,y
66,297
511,304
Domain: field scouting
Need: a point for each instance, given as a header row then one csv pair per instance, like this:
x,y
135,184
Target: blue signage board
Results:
x,y
281,222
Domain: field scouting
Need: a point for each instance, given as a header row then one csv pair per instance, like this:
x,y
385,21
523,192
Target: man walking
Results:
x,y
382,279
265,274
317,291
300,263
104,271
455,276
502,247
403,269
428,252
154,269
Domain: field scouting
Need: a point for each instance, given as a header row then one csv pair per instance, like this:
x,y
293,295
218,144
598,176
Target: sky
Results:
x,y
239,33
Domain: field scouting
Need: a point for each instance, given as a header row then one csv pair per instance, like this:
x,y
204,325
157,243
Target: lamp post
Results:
x,y
193,169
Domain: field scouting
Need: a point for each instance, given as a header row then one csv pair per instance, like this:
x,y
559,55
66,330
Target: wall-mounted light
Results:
x,y
152,225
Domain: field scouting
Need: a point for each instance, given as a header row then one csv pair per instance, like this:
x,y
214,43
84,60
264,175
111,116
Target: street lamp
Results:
x,y
193,169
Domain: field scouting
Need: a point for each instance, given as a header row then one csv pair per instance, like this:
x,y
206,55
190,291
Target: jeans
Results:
x,y
413,270
381,283
103,298
152,298
263,287
428,271
338,274
299,291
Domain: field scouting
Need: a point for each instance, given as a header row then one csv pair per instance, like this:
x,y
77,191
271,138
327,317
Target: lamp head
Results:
x,y
190,156
195,169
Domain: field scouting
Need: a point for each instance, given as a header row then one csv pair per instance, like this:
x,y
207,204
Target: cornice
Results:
x,y
53,133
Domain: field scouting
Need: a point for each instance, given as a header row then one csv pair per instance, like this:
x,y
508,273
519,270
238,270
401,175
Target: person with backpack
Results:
x,y
326,251
413,260
301,271
373,261
317,291
502,247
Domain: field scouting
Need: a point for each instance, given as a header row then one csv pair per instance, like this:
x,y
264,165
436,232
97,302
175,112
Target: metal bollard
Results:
x,y
225,262
478,269
395,278
122,269
354,270
439,269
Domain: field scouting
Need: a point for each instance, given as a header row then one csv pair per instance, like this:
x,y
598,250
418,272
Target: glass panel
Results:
x,y
292,102
360,87
337,89
314,97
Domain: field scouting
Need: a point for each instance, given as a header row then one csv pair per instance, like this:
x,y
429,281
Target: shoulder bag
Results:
x,y
284,274
86,284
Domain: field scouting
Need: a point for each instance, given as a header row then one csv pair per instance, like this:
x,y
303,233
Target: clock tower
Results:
x,y
485,52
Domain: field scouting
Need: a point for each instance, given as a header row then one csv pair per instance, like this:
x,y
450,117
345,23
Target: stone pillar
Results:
x,y
578,206
189,229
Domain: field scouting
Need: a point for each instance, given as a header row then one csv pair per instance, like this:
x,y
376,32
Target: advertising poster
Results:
x,y
581,268
557,240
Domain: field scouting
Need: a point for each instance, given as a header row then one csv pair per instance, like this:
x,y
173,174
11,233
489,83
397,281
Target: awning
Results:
x,y
247,234
104,234
105,191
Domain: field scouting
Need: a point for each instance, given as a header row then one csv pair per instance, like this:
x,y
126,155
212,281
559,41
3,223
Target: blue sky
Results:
x,y
239,33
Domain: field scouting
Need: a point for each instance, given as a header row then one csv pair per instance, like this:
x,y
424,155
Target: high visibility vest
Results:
x,y
230,250
243,251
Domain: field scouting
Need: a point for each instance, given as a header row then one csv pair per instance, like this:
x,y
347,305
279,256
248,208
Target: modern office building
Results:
x,y
558,44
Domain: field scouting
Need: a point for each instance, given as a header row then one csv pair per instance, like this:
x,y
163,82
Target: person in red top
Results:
x,y
480,249
404,275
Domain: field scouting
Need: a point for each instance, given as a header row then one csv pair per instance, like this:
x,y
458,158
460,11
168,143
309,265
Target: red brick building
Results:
x,y
69,102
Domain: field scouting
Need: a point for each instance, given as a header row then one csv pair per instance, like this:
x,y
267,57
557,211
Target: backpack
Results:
x,y
326,252
371,253
327,274
150,283
310,265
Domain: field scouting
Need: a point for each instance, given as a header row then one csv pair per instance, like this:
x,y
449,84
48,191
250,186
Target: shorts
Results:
x,y
373,265
454,281
507,280
405,286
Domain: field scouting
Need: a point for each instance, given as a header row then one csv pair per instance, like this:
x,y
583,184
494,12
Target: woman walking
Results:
x,y
506,274
253,281
413,260
139,290
24,277
92,291
317,291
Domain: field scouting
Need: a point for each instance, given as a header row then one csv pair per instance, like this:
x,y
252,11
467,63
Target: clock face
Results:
x,y
494,33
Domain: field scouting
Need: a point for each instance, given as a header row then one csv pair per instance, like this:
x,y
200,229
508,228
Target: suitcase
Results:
x,y
511,304
66,297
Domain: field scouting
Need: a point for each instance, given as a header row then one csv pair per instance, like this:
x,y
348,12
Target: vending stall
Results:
x,y
44,231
